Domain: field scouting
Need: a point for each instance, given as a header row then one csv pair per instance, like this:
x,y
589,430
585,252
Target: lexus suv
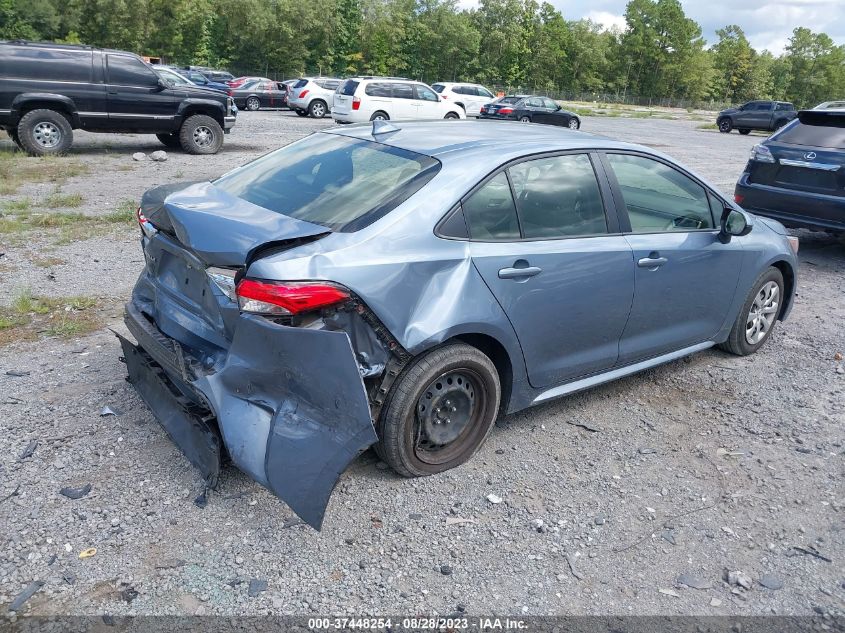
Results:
x,y
48,90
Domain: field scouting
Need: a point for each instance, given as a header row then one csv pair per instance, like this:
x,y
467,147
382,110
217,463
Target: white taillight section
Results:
x,y
224,279
793,243
761,154
146,226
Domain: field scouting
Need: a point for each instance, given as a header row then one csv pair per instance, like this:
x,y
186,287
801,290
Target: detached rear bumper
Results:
x,y
288,405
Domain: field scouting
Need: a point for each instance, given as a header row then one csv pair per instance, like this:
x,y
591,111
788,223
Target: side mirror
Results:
x,y
163,84
734,223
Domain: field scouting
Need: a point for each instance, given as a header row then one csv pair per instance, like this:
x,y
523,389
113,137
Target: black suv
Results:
x,y
47,90
756,115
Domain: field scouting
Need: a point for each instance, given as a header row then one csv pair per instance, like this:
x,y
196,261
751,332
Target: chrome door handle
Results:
x,y
651,262
519,273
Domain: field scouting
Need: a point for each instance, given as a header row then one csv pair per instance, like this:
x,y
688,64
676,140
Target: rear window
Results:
x,y
348,87
338,182
510,100
815,130
301,83
438,88
42,63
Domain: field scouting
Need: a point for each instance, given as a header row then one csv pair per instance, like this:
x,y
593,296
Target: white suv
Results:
x,y
313,96
387,98
469,96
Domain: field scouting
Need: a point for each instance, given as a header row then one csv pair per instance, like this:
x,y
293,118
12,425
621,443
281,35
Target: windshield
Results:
x,y
335,181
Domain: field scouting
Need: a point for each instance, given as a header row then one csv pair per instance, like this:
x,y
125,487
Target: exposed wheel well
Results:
x,y
788,282
494,350
47,104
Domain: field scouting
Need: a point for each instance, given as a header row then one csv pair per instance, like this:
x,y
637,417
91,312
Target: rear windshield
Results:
x,y
822,130
300,83
510,100
438,88
348,87
338,182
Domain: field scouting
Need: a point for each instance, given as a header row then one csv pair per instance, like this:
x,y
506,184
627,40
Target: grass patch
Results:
x,y
73,226
708,126
125,212
63,201
17,169
31,315
17,206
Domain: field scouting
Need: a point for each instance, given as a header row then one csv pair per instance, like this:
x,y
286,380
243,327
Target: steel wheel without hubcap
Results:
x,y
763,312
447,413
203,136
46,134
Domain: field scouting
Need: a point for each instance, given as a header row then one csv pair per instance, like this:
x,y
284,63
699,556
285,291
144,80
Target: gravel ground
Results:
x,y
632,498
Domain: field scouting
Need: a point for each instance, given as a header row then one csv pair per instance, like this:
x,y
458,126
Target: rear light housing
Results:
x,y
302,94
356,103
280,298
761,154
146,226
738,198
506,111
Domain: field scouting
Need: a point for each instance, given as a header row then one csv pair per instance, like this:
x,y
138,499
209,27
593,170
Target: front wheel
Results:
x,y
440,411
200,134
758,315
253,104
574,124
725,126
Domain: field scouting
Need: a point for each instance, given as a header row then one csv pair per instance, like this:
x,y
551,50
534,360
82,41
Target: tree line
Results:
x,y
660,54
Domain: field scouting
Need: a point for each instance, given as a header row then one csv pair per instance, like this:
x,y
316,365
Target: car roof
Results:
x,y
459,140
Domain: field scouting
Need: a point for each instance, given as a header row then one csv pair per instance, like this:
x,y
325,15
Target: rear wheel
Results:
x,y
758,315
725,125
44,133
744,131
379,116
170,140
200,134
452,115
317,109
440,411
525,119
253,103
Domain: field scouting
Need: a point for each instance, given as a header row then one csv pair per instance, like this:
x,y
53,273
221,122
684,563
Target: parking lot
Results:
x,y
705,466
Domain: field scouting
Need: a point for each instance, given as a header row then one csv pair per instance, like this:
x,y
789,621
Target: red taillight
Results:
x,y
356,103
146,226
738,198
506,111
290,297
444,97
302,94
230,92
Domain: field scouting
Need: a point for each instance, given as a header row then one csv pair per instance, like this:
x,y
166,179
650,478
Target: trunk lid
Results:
x,y
218,228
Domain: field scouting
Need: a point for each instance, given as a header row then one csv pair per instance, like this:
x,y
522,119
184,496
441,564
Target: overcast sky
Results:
x,y
767,23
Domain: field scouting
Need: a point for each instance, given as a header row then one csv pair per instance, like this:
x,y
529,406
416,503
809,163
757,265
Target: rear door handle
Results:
x,y
519,273
651,262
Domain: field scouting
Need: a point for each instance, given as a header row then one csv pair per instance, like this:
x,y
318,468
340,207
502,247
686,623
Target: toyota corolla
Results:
x,y
400,285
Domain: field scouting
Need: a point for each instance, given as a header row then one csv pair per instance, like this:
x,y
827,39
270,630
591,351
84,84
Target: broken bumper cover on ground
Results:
x,y
288,404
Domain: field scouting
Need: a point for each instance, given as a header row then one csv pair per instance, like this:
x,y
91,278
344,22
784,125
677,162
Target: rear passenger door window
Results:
x,y
490,212
558,197
659,198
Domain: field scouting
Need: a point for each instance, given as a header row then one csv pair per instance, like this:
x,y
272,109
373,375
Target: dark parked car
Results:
x,y
261,94
756,115
530,109
797,175
200,79
48,90
401,284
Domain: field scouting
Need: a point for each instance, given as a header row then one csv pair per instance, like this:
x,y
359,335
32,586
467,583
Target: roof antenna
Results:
x,y
383,127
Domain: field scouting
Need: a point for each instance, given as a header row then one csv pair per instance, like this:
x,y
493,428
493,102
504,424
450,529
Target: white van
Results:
x,y
361,99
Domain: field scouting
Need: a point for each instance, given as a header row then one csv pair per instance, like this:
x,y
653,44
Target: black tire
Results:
x,y
317,109
574,124
301,112
44,133
725,125
252,104
452,116
200,134
473,384
738,342
525,119
170,140
380,115
744,131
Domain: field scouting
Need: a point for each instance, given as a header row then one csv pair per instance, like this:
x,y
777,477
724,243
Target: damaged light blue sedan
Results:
x,y
399,285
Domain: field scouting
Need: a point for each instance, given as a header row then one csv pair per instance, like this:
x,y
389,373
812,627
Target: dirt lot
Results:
x,y
706,465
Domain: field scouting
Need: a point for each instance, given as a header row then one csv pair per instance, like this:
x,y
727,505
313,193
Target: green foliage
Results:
x,y
518,43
